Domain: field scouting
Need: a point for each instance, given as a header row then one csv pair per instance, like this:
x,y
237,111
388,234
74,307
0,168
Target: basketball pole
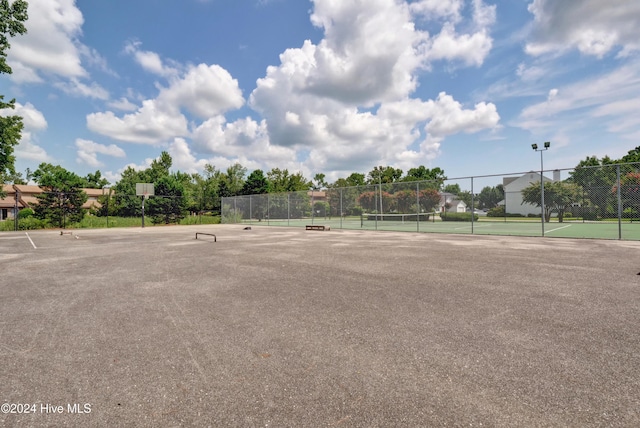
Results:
x,y
143,198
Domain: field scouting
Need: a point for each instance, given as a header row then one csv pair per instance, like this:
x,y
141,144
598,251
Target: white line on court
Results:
x,y
469,227
557,228
30,240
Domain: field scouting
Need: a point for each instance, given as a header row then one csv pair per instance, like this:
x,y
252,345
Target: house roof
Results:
x,y
28,196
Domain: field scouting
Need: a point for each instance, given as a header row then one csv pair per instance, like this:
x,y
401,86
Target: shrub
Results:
x,y
496,211
31,223
457,216
25,213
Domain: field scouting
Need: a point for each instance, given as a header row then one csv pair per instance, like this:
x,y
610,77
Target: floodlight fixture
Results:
x,y
547,144
534,146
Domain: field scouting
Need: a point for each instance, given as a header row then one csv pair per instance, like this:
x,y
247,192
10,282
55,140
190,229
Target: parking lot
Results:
x,y
278,326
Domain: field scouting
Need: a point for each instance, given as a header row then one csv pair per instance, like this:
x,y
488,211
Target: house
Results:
x,y
449,203
23,196
513,187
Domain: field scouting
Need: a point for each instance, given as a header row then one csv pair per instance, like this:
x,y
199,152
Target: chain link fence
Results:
x,y
42,209
587,202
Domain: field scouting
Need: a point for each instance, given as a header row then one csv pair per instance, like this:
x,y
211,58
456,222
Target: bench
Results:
x,y
215,239
317,227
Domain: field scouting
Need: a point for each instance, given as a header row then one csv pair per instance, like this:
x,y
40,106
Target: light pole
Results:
x,y
547,144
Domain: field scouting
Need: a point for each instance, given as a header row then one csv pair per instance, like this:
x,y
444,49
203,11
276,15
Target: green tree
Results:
x,y
12,16
319,182
169,203
632,156
256,183
490,196
63,195
282,181
454,189
558,196
435,176
126,203
95,181
384,174
595,177
630,191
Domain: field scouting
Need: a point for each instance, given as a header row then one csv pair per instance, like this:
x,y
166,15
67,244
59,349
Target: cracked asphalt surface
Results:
x,y
285,327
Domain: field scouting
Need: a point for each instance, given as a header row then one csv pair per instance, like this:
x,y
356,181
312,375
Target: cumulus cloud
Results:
x,y
34,122
88,152
51,48
594,27
50,45
347,101
150,124
344,103
151,61
202,90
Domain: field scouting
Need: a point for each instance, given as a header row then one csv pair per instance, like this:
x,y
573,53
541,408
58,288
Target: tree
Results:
x,y
169,203
319,182
558,196
12,16
95,181
429,199
387,174
435,176
452,188
281,181
632,156
630,191
595,177
490,196
256,183
63,195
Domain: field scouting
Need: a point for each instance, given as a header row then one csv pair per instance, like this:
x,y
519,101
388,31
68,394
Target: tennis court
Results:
x,y
485,226
279,326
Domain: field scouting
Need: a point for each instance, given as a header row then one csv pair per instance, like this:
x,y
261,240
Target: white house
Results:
x,y
450,204
513,187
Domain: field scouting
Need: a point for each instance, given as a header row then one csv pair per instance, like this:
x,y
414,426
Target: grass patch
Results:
x,y
94,222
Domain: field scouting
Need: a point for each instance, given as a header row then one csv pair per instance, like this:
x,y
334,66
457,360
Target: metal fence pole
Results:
x,y
619,202
473,207
288,208
313,209
341,212
418,207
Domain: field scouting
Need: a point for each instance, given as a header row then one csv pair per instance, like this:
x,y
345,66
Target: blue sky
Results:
x,y
326,86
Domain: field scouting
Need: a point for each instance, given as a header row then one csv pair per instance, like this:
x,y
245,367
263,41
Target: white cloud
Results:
x,y
470,49
436,9
150,124
76,88
34,122
122,104
88,152
204,91
51,45
370,57
611,97
594,27
150,61
183,159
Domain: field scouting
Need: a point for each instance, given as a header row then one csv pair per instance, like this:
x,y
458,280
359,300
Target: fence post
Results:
x,y
619,202
473,207
418,207
341,209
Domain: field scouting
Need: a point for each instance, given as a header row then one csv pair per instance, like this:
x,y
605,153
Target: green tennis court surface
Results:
x,y
567,229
